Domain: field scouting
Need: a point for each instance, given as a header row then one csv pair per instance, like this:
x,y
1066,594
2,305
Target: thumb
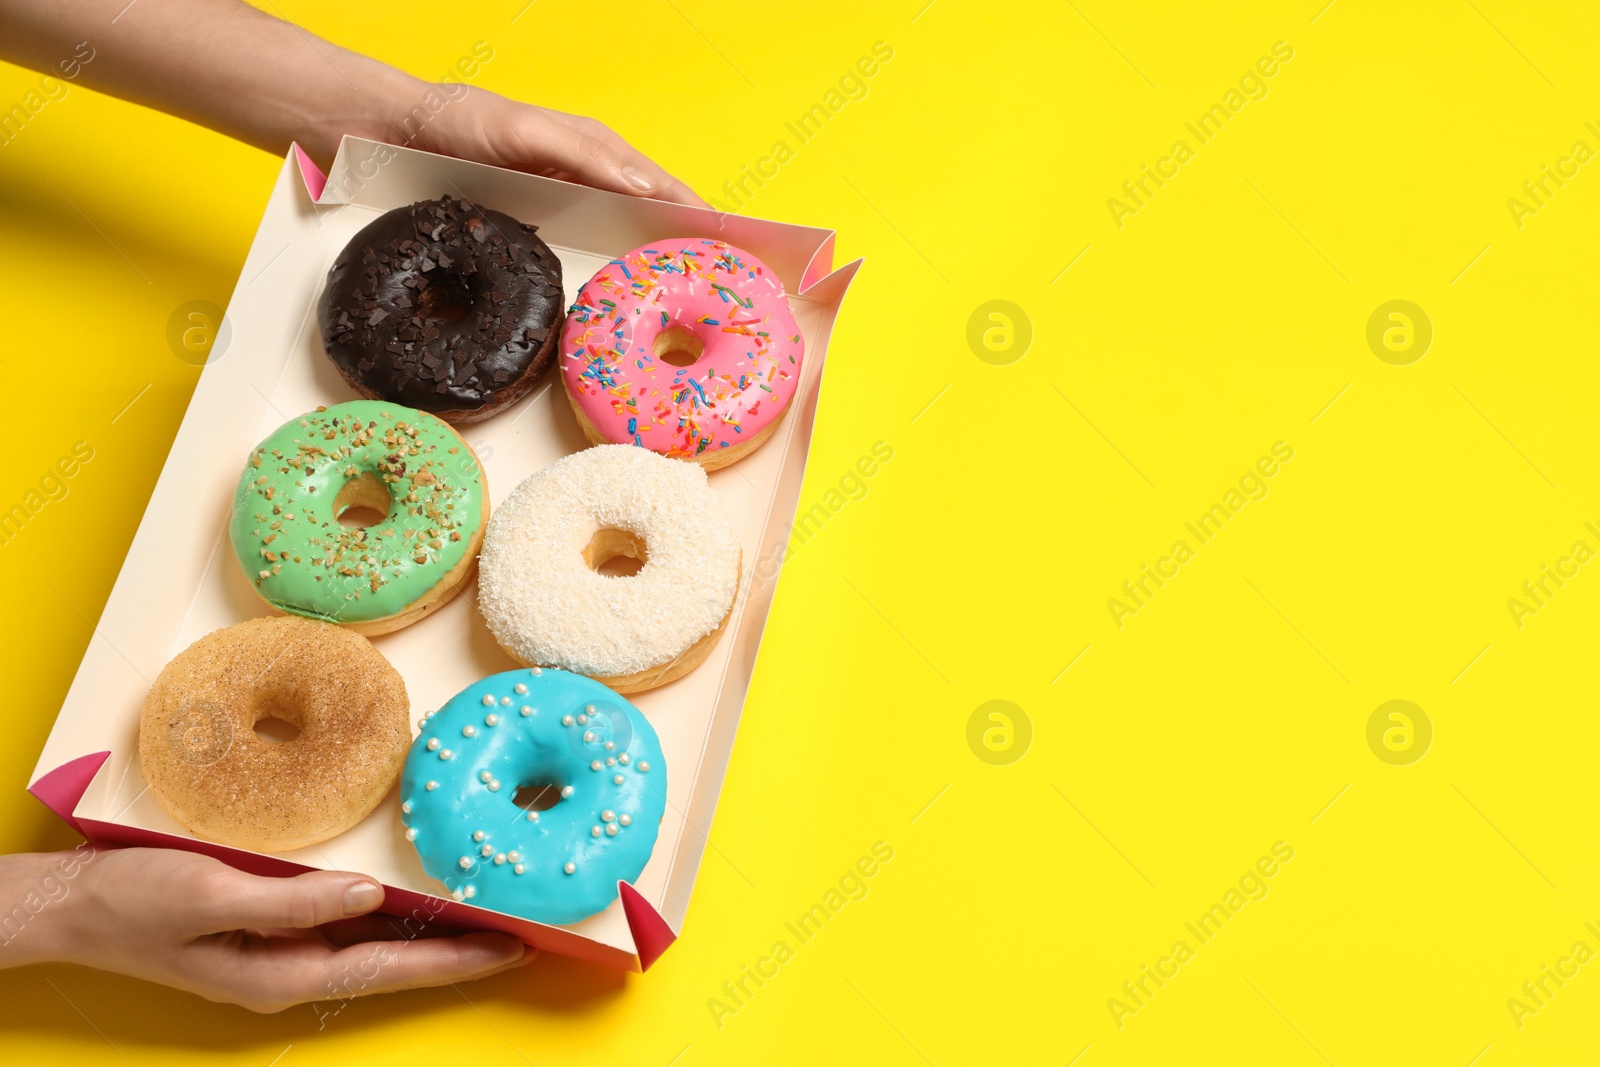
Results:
x,y
231,899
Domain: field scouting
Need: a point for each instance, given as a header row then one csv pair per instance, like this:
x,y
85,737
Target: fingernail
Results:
x,y
637,179
362,897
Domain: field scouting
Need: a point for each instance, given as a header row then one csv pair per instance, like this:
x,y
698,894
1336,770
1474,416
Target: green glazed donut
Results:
x,y
406,465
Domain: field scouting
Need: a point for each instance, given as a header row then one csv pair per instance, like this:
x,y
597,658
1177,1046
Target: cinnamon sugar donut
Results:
x,y
214,775
546,603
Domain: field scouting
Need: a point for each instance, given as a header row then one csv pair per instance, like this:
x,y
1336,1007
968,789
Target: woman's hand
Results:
x,y
244,73
488,128
194,923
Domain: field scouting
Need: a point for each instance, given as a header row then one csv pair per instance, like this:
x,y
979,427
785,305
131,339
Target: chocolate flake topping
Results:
x,y
444,306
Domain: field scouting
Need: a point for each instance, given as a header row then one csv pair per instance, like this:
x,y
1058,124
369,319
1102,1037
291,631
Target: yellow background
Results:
x,y
1224,716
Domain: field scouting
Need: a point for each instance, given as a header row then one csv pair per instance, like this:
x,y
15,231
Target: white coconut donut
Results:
x,y
547,605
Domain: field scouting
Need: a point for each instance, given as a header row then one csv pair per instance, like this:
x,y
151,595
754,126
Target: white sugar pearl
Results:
x,y
567,720
431,786
406,807
465,862
566,791
433,744
589,710
486,850
526,711
488,701
611,761
457,894
607,815
594,831
484,776
535,671
411,834
611,829
494,787
570,867
470,892
499,858
610,745
624,759
445,754
422,722
478,835
583,719
533,816
469,730
491,719
617,778
514,856
519,868
505,702
595,765
588,736
520,688
625,819
644,767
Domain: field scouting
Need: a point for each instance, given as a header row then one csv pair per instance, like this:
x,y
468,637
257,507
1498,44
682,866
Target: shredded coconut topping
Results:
x,y
544,603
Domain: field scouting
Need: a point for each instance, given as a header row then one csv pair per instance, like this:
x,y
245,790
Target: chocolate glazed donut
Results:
x,y
444,306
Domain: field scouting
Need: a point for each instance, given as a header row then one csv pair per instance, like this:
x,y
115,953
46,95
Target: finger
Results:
x,y
347,932
673,190
269,974
667,187
595,159
227,899
390,966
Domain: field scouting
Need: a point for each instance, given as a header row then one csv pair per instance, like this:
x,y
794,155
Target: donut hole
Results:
x,y
275,725
537,797
276,731
620,567
678,346
615,553
364,501
444,300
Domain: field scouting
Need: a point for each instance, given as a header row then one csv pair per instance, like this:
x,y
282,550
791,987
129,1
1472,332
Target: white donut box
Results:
x,y
180,582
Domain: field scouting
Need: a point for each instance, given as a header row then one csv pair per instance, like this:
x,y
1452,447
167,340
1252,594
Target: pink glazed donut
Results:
x,y
686,347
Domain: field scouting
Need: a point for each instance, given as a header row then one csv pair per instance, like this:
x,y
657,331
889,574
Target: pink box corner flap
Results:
x,y
821,264
61,789
312,175
651,934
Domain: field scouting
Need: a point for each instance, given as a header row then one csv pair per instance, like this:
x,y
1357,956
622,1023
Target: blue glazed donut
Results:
x,y
535,728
